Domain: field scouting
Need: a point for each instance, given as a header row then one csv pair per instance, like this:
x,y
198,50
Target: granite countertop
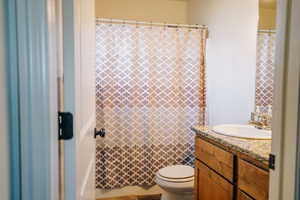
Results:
x,y
257,149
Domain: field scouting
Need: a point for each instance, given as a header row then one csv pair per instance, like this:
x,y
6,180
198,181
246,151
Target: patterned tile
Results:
x,y
150,91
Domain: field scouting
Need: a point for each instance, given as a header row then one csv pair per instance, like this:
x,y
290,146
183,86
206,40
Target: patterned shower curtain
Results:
x,y
150,91
265,70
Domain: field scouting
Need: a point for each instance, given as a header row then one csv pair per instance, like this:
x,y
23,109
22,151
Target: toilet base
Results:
x,y
176,196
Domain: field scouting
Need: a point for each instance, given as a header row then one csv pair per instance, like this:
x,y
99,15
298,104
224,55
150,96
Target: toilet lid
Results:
x,y
177,172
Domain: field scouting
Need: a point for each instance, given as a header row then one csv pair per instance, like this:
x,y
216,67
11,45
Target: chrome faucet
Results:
x,y
262,120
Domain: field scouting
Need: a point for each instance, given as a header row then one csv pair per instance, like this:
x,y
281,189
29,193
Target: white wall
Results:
x,y
4,151
169,11
231,56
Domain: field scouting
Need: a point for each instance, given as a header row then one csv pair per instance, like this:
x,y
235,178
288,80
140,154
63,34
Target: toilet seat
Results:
x,y
177,182
176,174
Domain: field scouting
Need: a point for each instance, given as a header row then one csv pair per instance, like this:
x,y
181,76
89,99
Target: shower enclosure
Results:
x,y
150,91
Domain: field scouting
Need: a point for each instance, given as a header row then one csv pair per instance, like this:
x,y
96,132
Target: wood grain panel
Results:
x,y
210,185
242,196
245,156
216,158
196,180
253,180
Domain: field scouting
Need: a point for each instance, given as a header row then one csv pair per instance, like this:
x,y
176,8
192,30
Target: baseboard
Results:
x,y
135,197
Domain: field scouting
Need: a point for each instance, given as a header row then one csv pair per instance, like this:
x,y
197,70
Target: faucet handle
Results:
x,y
253,114
258,109
269,111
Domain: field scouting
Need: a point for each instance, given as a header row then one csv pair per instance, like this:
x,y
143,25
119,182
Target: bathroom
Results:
x,y
149,99
230,82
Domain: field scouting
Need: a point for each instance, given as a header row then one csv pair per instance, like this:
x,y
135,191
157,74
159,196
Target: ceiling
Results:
x,y
268,4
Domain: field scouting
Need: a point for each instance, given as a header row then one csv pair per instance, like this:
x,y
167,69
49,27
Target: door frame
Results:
x,y
13,84
32,61
286,102
74,21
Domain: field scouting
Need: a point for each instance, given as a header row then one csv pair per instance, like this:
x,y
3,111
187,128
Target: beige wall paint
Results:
x,y
169,11
4,148
267,18
231,56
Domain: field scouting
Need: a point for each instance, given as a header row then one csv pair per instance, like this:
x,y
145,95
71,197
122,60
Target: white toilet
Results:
x,y
177,182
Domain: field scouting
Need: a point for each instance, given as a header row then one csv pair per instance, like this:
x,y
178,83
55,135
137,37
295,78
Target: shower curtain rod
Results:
x,y
116,21
266,31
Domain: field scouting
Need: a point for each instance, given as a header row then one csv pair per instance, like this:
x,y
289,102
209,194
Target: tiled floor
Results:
x,y
146,197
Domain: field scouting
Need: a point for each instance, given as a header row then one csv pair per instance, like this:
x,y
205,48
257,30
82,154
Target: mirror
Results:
x,y
266,37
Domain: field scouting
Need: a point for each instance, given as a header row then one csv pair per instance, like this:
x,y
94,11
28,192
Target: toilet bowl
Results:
x,y
177,182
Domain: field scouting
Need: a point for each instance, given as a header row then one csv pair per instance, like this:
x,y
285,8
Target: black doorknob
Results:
x,y
100,133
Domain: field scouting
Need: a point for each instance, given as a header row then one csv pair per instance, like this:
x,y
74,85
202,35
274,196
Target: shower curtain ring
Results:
x,y
111,21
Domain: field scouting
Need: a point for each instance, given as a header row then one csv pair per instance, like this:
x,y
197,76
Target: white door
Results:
x,y
286,118
4,132
79,97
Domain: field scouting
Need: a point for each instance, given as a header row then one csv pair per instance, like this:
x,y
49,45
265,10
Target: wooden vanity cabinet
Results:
x,y
223,175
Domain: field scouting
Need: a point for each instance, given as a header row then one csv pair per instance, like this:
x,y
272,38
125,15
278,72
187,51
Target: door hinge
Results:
x,y
272,159
65,125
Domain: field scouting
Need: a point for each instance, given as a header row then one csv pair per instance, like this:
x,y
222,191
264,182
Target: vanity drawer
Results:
x,y
216,158
253,180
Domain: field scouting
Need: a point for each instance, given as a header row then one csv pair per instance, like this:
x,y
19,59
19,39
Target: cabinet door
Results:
x,y
211,186
242,196
252,180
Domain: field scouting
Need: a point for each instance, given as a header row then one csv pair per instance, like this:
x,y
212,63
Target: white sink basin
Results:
x,y
242,131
